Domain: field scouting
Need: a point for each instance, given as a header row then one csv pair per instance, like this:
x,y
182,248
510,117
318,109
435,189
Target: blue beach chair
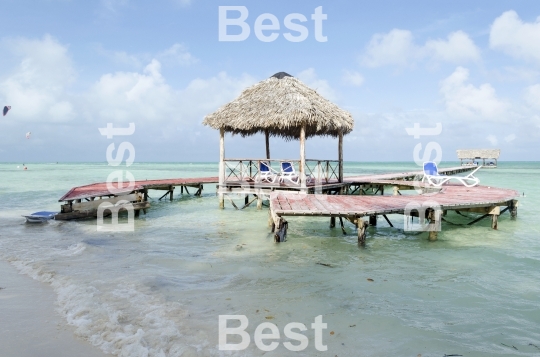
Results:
x,y
289,173
433,178
266,173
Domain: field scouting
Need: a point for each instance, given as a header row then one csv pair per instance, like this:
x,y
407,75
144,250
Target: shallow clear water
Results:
x,y
160,289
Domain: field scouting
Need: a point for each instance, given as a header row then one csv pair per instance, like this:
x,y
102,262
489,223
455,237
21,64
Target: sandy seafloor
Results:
x,y
158,291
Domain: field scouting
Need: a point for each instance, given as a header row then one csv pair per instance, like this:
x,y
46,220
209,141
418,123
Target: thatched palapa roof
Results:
x,y
478,154
281,104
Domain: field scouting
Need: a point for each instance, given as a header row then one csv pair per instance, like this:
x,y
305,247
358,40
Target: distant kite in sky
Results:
x,y
28,135
6,109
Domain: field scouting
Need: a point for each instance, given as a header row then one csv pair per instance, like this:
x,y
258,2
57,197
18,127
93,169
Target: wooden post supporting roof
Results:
x,y
221,166
303,156
267,137
340,156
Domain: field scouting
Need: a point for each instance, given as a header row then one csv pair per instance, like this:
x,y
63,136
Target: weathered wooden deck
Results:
x,y
406,176
481,199
100,189
84,201
333,198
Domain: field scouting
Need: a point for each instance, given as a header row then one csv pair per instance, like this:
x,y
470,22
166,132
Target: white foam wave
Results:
x,y
125,321
72,250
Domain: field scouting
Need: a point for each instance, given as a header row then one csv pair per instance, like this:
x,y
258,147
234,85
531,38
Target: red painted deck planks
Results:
x,y
361,205
100,189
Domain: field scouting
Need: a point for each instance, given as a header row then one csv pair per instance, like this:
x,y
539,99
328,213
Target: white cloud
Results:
x,y
36,87
516,38
510,138
458,48
122,57
535,120
177,54
512,73
395,47
202,96
463,99
532,96
310,78
492,139
398,48
113,5
146,96
353,78
126,96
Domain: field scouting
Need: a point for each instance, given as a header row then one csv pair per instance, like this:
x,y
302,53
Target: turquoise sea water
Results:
x,y
158,291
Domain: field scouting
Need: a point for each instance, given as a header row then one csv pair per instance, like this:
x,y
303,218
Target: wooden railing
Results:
x,y
316,171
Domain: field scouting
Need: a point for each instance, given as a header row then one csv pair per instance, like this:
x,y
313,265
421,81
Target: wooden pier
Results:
x,y
406,176
84,201
355,198
430,206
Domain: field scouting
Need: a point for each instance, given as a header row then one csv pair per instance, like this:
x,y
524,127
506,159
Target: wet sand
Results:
x,y
29,323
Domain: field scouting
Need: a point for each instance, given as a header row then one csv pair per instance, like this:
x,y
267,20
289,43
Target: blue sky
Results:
x,y
69,67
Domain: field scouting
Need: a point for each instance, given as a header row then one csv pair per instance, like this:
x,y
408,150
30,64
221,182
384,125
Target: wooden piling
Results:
x,y
332,222
145,198
259,201
270,220
373,220
513,209
494,221
361,230
171,190
433,218
342,226
280,231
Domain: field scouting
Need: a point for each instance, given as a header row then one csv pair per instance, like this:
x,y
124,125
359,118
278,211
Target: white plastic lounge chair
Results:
x,y
289,173
266,173
432,176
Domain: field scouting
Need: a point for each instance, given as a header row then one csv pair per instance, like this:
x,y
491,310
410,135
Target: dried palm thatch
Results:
x,y
280,105
479,154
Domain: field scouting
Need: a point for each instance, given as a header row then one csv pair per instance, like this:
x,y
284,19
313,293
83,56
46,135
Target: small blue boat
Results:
x,y
40,217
